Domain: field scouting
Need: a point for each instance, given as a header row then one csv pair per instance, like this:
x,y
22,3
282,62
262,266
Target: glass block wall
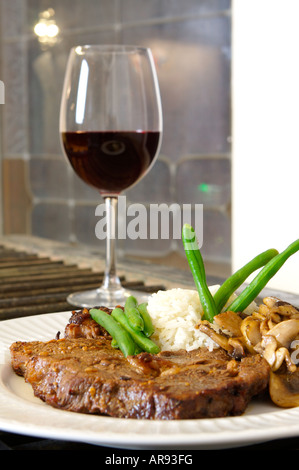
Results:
x,y
191,44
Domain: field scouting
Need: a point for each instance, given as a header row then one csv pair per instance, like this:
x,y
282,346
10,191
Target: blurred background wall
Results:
x,y
191,44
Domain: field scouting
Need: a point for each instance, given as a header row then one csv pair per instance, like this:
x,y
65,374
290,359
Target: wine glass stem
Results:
x,y
111,280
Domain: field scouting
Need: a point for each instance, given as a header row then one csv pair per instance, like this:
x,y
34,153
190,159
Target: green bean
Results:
x,y
114,344
138,349
140,339
133,314
198,272
119,334
262,278
231,284
148,328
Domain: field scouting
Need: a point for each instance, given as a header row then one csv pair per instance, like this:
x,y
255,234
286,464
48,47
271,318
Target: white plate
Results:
x,y
22,413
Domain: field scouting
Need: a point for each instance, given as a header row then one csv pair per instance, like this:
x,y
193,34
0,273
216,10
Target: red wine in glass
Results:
x,y
111,129
111,161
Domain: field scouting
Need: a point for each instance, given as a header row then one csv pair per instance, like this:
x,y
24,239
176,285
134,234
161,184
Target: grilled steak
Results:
x,y
86,375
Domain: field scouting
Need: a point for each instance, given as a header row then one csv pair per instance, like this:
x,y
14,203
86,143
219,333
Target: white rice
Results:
x,y
175,314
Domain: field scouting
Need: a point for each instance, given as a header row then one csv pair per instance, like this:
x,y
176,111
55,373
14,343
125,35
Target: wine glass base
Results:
x,y
101,297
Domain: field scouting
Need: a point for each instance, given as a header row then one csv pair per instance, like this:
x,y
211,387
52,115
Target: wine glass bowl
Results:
x,y
111,130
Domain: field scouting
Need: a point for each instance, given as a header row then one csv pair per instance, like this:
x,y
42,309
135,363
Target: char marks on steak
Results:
x,y
81,325
87,375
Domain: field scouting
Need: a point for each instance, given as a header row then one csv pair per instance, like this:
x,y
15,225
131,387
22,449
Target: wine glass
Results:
x,y
111,130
